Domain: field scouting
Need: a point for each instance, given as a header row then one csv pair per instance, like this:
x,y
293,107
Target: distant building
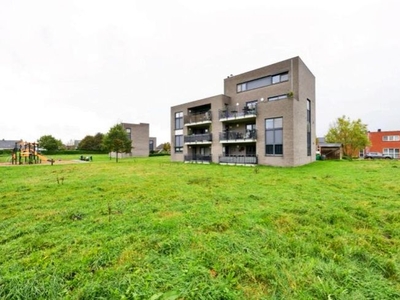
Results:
x,y
142,143
265,116
8,144
386,142
76,144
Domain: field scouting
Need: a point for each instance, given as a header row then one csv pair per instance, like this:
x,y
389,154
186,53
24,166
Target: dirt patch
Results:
x,y
56,162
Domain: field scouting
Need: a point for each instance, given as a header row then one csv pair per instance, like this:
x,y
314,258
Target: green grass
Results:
x,y
146,228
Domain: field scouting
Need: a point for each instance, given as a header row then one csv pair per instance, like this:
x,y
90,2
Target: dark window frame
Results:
x,y
274,148
278,97
281,77
178,120
178,145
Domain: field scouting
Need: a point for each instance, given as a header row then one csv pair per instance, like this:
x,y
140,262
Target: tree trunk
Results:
x,y
116,156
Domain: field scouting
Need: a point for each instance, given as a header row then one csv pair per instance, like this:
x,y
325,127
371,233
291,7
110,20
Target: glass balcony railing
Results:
x,y
198,117
197,158
238,159
243,135
198,138
234,112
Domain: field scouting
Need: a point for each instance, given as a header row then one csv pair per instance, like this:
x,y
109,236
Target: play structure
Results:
x,y
28,153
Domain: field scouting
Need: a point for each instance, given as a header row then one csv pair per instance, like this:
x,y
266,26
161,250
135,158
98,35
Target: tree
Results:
x,y
49,143
167,147
87,143
98,141
92,143
116,140
353,135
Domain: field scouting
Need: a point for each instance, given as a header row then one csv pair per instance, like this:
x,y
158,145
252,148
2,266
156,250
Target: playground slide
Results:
x,y
43,158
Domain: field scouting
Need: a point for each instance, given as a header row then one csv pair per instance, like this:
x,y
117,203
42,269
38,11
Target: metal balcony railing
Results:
x,y
238,159
238,135
234,112
198,117
197,158
196,138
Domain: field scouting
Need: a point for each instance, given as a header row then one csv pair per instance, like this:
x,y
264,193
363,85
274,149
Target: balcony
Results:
x,y
204,138
198,118
243,136
238,159
234,113
197,158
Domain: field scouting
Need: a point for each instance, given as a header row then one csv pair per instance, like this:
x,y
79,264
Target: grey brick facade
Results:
x,y
265,116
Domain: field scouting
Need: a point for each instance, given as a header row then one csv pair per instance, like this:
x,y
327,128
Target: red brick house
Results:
x,y
386,142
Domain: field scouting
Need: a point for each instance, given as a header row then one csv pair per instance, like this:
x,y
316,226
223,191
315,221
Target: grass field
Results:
x,y
151,229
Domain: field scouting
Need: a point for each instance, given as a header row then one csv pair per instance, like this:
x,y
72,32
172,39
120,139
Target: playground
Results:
x,y
26,153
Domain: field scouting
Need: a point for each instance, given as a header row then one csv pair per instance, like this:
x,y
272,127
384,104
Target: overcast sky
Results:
x,y
75,68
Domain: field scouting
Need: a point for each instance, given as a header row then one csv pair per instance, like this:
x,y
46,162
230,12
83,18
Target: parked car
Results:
x,y
376,155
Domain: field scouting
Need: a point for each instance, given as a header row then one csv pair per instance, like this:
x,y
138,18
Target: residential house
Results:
x,y
386,142
265,116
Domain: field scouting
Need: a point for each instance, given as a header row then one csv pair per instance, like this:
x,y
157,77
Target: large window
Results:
x,y
178,143
308,127
394,153
261,82
389,138
274,136
179,120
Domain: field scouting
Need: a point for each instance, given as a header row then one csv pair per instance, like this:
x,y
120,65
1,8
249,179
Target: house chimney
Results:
x,y
379,130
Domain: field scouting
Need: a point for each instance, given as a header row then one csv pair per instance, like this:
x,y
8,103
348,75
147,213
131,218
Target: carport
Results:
x,y
331,150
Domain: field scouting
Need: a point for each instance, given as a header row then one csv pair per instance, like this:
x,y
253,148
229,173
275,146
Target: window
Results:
x,y
389,138
251,104
261,82
274,136
128,133
251,131
279,97
179,120
308,127
178,143
394,153
151,145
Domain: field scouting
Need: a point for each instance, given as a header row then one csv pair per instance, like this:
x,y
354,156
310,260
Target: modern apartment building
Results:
x,y
142,143
265,116
386,142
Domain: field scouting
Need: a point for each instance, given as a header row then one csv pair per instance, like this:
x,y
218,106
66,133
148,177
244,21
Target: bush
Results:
x,y
72,152
5,152
160,154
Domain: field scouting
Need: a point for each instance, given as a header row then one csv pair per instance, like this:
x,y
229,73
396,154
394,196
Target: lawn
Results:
x,y
146,228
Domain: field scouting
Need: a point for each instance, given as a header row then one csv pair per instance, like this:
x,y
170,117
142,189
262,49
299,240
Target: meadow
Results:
x,y
146,228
